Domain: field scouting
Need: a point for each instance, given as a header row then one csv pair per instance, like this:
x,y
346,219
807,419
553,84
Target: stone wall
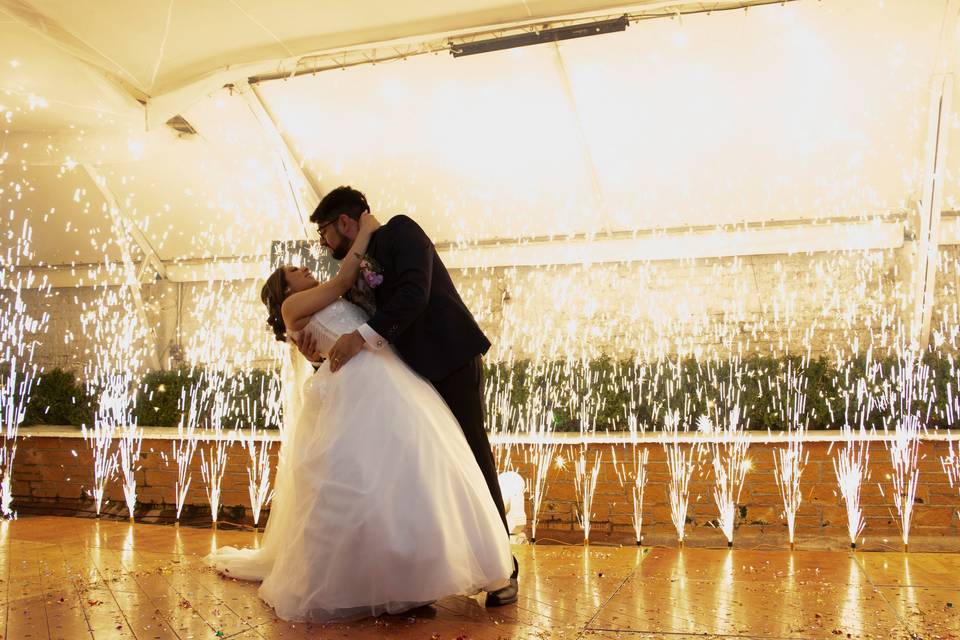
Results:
x,y
824,303
54,475
220,324
712,307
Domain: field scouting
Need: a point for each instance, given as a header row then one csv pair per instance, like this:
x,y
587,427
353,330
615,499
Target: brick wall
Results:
x,y
54,475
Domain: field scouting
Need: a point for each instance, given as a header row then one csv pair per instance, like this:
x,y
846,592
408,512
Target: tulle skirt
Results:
x,y
379,504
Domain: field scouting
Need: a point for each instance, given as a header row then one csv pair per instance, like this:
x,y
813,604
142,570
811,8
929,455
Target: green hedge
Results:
x,y
693,387
59,398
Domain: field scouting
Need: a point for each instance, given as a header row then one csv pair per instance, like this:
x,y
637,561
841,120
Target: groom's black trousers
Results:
x,y
462,390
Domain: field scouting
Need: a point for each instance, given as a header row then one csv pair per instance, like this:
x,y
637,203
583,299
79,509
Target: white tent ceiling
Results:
x,y
806,110
159,46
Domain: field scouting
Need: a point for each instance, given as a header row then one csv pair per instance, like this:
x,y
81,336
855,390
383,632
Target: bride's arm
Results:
x,y
298,307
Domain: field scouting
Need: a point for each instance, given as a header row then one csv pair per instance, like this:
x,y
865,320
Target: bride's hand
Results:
x,y
307,345
368,222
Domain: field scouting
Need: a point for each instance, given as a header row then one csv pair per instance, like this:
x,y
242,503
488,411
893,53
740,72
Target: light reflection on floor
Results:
x,y
78,578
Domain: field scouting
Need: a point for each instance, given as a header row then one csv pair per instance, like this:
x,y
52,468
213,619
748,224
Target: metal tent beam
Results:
x,y
930,205
302,193
126,230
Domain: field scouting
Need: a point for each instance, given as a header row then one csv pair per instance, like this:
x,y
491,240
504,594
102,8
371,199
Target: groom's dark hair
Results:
x,y
341,201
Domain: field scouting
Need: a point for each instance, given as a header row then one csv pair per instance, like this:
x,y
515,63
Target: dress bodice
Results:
x,y
331,322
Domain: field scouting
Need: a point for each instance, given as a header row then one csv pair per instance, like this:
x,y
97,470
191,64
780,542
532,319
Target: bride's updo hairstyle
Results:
x,y
273,293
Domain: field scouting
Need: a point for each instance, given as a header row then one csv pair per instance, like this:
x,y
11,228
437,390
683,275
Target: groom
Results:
x,y
414,306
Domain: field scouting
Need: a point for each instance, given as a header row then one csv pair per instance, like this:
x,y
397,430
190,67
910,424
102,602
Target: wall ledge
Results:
x,y
654,437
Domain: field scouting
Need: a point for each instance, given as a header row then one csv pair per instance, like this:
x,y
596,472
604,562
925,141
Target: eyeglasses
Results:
x,y
321,228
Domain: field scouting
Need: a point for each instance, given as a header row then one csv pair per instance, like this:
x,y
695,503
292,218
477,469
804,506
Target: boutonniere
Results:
x,y
371,270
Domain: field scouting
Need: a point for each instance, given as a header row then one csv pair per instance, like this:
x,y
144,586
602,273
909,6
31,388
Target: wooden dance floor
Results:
x,y
79,578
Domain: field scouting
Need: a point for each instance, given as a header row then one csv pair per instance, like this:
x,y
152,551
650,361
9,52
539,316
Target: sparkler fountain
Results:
x,y
128,446
903,395
640,459
730,465
213,459
537,421
193,403
680,463
17,347
851,464
852,469
229,343
543,456
790,461
121,342
99,436
110,377
258,472
640,456
638,484
585,481
258,450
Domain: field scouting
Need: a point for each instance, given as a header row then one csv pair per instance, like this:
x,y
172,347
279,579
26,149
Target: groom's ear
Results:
x,y
347,226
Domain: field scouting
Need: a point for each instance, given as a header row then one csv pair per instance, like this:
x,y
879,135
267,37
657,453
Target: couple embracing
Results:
x,y
387,497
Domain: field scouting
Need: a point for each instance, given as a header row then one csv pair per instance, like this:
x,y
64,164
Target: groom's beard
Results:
x,y
342,249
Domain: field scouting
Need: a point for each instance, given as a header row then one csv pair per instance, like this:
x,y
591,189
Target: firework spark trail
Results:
x,y
503,457
13,411
951,466
851,463
228,346
260,463
951,462
585,482
129,446
213,464
17,348
587,404
193,403
258,472
641,457
851,467
501,416
729,457
500,411
680,463
213,460
903,396
273,400
100,439
111,411
538,420
120,345
640,460
543,456
790,461
111,378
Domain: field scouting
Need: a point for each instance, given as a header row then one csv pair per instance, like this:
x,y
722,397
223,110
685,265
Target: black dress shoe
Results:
x,y
508,594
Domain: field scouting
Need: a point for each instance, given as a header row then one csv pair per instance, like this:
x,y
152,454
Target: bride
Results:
x,y
379,505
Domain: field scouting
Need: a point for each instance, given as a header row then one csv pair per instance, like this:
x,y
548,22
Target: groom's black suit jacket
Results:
x,y
418,309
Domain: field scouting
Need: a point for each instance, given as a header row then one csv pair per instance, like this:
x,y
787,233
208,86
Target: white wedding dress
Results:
x,y
379,504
